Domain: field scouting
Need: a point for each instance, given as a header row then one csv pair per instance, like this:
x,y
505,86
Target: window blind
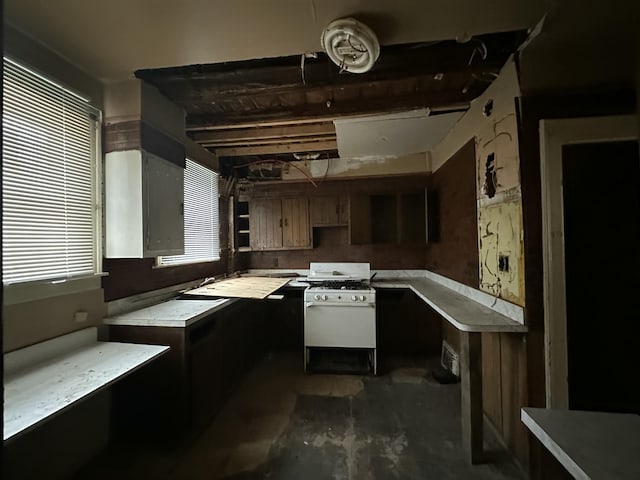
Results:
x,y
201,226
49,151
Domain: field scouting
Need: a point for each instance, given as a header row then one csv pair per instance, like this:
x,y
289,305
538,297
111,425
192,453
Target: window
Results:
x,y
50,146
201,227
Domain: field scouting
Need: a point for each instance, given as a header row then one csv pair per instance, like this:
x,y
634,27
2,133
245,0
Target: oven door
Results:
x,y
342,325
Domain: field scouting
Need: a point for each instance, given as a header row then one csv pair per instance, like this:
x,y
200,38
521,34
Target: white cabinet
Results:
x,y
144,205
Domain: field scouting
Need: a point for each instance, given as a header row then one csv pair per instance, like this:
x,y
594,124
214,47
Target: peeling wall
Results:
x,y
500,235
498,190
499,216
337,168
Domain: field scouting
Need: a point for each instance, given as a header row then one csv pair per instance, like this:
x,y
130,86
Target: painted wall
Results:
x,y
37,313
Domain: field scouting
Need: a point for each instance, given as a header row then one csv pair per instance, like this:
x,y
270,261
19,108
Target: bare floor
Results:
x,y
284,424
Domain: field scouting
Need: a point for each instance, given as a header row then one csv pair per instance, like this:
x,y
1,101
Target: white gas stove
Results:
x,y
340,309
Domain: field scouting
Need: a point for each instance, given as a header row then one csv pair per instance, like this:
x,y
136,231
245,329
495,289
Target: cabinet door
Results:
x,y
265,223
295,218
163,194
343,210
328,211
359,219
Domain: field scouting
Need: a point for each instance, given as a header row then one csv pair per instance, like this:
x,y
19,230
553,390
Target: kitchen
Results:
x,y
458,254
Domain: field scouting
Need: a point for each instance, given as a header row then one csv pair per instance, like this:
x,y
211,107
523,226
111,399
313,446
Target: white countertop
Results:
x,y
44,379
464,313
173,313
590,445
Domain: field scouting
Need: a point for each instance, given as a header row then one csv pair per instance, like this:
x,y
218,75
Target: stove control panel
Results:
x,y
341,296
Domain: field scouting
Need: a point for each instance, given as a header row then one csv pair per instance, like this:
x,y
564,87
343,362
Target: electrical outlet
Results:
x,y
503,263
80,316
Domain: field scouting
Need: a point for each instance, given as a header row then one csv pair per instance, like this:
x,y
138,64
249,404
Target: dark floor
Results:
x,y
284,424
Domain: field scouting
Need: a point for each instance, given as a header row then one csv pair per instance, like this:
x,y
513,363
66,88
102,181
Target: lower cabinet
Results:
x,y
180,393
406,325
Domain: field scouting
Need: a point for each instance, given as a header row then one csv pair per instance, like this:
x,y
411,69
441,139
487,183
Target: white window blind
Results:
x,y
50,138
201,227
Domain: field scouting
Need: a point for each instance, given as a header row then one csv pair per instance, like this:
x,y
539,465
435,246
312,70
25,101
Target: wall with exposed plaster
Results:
x,y
500,236
492,120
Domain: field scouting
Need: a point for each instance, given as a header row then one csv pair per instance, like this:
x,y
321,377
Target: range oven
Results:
x,y
340,309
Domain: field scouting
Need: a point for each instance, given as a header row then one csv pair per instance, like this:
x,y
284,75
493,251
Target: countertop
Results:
x,y
462,311
590,445
44,379
173,313
466,308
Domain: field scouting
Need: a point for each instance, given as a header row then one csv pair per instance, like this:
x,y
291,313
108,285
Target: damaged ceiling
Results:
x,y
282,109
252,77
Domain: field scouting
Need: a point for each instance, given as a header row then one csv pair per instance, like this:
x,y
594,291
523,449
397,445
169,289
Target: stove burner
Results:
x,y
342,284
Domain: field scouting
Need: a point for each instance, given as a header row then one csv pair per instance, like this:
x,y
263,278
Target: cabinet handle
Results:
x,y
285,222
281,223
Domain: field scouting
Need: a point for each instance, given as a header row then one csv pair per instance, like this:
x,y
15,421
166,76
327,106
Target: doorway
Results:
x,y
590,172
601,200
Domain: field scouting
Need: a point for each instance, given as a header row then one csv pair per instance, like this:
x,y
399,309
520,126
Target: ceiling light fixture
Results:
x,y
351,45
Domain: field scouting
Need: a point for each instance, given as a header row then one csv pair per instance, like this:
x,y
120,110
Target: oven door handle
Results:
x,y
338,304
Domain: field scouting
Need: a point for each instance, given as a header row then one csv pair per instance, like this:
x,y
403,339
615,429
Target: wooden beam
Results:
x,y
278,148
471,395
454,107
265,133
270,141
453,99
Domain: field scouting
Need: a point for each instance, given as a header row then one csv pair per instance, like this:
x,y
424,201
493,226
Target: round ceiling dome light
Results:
x,y
351,45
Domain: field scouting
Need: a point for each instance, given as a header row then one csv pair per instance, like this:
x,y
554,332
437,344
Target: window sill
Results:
x,y
196,262
16,293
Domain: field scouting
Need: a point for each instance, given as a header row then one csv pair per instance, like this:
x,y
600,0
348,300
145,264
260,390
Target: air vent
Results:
x,y
351,45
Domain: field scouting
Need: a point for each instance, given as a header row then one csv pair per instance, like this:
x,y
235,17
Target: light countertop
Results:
x,y
42,380
173,313
464,313
590,445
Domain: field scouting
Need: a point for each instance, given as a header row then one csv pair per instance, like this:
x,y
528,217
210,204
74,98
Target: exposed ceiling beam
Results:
x,y
265,133
454,107
252,76
269,141
301,147
363,106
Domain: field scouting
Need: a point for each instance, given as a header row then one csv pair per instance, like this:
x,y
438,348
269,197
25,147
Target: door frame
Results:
x,y
553,135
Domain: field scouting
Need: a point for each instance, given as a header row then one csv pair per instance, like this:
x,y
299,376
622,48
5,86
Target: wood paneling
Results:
x,y
265,224
295,217
329,210
133,276
136,134
359,219
335,246
514,393
492,378
454,253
